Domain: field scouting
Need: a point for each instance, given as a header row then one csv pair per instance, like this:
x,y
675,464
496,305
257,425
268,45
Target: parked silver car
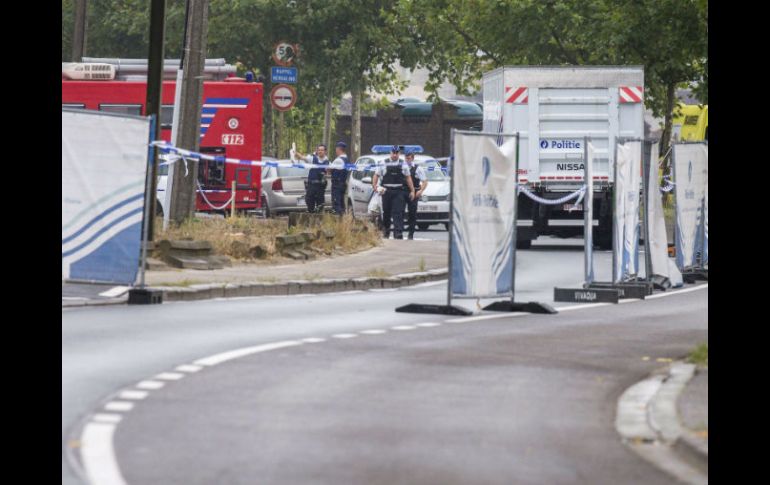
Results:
x,y
283,190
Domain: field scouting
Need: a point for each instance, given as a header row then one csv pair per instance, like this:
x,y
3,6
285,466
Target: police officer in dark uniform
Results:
x,y
315,187
339,174
420,181
396,180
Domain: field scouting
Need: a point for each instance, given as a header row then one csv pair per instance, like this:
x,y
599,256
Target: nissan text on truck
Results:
x,y
553,109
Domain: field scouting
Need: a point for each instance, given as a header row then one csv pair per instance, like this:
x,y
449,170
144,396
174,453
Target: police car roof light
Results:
x,y
378,149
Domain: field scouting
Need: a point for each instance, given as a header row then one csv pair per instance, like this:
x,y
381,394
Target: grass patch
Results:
x,y
350,234
233,236
222,233
700,356
184,283
377,273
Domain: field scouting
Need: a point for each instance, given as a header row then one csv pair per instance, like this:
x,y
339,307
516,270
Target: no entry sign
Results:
x,y
283,97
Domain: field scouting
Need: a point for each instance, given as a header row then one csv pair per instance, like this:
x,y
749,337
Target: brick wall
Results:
x,y
390,128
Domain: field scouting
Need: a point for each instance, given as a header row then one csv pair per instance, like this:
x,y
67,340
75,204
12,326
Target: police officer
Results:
x,y
316,179
339,174
396,181
420,181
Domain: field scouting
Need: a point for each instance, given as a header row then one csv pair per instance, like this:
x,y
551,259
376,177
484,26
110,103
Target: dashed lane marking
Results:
x,y
119,406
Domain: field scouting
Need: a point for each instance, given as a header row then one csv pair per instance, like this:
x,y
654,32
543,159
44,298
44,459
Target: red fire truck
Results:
x,y
231,121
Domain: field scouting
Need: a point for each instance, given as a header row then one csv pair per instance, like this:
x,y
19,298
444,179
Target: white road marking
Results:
x,y
98,454
132,394
115,291
374,331
484,317
169,376
629,300
313,340
188,368
119,406
151,385
106,418
344,335
428,324
235,354
404,327
581,306
676,292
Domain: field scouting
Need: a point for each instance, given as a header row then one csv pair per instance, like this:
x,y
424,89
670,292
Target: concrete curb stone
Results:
x,y
205,291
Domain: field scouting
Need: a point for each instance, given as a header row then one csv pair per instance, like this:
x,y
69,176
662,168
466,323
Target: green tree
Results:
x,y
458,40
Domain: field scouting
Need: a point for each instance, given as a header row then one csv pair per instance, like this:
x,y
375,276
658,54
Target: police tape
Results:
x,y
669,185
208,202
171,151
173,158
579,193
167,148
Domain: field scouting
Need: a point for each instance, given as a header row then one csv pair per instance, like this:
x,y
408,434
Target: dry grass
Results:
x,y
350,235
378,273
221,233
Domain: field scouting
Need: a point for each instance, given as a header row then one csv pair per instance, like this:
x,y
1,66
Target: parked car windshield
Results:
x,y
433,171
292,172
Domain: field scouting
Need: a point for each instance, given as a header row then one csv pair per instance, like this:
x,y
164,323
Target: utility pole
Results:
x,y
79,37
188,135
154,90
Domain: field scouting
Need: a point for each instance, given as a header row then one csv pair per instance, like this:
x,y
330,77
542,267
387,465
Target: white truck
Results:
x,y
553,109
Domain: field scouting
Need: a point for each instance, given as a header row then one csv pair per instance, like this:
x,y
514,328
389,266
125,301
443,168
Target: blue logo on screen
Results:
x,y
543,144
486,168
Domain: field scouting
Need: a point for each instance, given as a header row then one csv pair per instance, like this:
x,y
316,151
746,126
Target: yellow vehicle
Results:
x,y
692,124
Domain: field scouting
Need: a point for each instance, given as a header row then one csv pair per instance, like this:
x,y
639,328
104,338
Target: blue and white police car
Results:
x,y
434,203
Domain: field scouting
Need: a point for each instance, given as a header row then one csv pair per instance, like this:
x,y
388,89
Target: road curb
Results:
x,y
100,302
693,450
294,287
648,421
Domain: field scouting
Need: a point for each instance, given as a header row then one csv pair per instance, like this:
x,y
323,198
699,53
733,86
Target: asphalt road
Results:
x,y
516,400
106,349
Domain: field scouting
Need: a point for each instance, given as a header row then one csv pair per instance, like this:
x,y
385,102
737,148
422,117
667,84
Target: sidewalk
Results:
x,y
396,263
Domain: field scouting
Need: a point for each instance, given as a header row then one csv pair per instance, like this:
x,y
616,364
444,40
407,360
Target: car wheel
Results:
x,y
423,227
158,209
446,226
266,208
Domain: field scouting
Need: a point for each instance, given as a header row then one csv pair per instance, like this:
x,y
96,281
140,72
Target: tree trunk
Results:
x,y
79,35
355,125
665,139
328,122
